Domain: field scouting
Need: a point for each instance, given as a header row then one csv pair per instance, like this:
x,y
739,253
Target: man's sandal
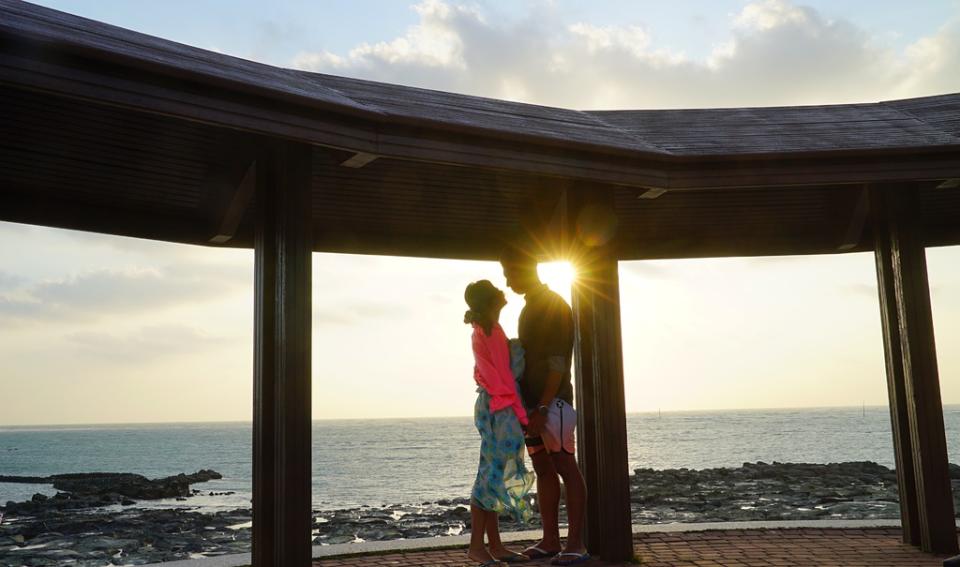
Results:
x,y
537,553
575,559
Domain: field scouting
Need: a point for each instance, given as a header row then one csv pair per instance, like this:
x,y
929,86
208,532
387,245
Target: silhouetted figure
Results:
x,y
546,333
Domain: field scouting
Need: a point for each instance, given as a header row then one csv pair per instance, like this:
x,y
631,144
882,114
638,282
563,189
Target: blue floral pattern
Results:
x,y
503,480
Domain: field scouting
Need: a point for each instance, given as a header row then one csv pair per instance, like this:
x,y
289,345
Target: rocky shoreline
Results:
x,y
90,490
62,531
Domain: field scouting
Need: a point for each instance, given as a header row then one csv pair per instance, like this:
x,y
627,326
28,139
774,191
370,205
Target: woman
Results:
x,y
502,478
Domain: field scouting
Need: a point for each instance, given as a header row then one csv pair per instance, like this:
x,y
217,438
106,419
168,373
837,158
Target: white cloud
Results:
x,y
144,345
358,312
935,60
9,281
433,43
96,293
770,14
631,38
777,52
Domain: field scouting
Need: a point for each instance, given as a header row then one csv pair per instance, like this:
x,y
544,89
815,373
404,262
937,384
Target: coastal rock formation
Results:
x,y
131,537
90,490
132,485
761,491
40,532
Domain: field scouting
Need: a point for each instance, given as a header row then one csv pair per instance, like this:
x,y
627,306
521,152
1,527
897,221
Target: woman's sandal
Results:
x,y
515,558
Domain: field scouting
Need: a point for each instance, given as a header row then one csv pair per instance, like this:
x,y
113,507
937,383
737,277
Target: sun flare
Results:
x,y
558,275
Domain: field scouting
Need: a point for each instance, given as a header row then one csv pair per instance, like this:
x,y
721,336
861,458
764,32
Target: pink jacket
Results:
x,y
492,370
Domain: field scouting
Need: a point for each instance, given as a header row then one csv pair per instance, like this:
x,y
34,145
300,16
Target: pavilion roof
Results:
x,y
127,128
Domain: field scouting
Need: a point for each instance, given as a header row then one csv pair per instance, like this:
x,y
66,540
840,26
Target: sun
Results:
x,y
558,275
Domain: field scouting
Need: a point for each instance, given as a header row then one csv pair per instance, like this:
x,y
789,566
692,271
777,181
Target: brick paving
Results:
x,y
841,547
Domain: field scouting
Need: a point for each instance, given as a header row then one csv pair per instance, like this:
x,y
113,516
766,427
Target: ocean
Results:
x,y
412,461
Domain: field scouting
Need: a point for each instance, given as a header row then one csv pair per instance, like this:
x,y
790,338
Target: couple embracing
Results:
x,y
524,405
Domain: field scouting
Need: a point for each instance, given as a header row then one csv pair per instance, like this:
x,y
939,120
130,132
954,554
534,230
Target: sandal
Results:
x,y
537,553
577,558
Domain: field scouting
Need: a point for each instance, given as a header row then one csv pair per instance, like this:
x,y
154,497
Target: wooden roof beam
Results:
x,y
651,193
230,212
358,160
858,220
230,186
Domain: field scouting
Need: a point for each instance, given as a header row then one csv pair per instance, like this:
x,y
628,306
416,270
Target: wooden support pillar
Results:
x,y
916,410
602,422
281,413
896,390
587,454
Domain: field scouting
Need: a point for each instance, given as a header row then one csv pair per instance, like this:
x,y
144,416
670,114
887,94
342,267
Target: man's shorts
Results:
x,y
559,431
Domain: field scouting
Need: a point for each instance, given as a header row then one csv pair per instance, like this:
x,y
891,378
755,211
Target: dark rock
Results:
x,y
89,490
132,485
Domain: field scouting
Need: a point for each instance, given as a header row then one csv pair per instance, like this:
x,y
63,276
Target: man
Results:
x,y
546,332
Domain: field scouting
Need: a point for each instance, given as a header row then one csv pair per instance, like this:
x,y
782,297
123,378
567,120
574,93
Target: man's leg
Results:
x,y
548,497
566,466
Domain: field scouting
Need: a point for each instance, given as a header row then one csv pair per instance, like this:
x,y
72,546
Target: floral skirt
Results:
x,y
503,480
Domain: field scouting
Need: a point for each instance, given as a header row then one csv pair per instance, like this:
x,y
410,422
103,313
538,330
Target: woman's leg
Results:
x,y
492,521
493,534
478,516
497,549
478,524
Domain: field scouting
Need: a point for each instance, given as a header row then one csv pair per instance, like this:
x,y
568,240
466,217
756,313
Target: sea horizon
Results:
x,y
440,417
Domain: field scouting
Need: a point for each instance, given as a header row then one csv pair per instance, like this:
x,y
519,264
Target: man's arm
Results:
x,y
561,345
550,388
559,330
554,376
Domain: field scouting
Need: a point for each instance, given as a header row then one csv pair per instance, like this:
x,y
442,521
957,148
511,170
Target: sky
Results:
x,y
103,329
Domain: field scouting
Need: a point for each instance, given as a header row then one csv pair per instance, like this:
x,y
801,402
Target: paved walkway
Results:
x,y
862,547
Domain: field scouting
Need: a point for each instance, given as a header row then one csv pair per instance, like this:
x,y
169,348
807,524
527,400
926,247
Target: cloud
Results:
x,y
19,308
10,281
435,42
356,312
148,344
113,291
771,14
441,298
862,290
645,269
10,230
777,52
936,60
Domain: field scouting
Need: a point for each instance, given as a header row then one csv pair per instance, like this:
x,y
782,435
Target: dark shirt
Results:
x,y
546,332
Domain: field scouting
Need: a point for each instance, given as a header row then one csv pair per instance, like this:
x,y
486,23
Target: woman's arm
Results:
x,y
487,375
494,374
